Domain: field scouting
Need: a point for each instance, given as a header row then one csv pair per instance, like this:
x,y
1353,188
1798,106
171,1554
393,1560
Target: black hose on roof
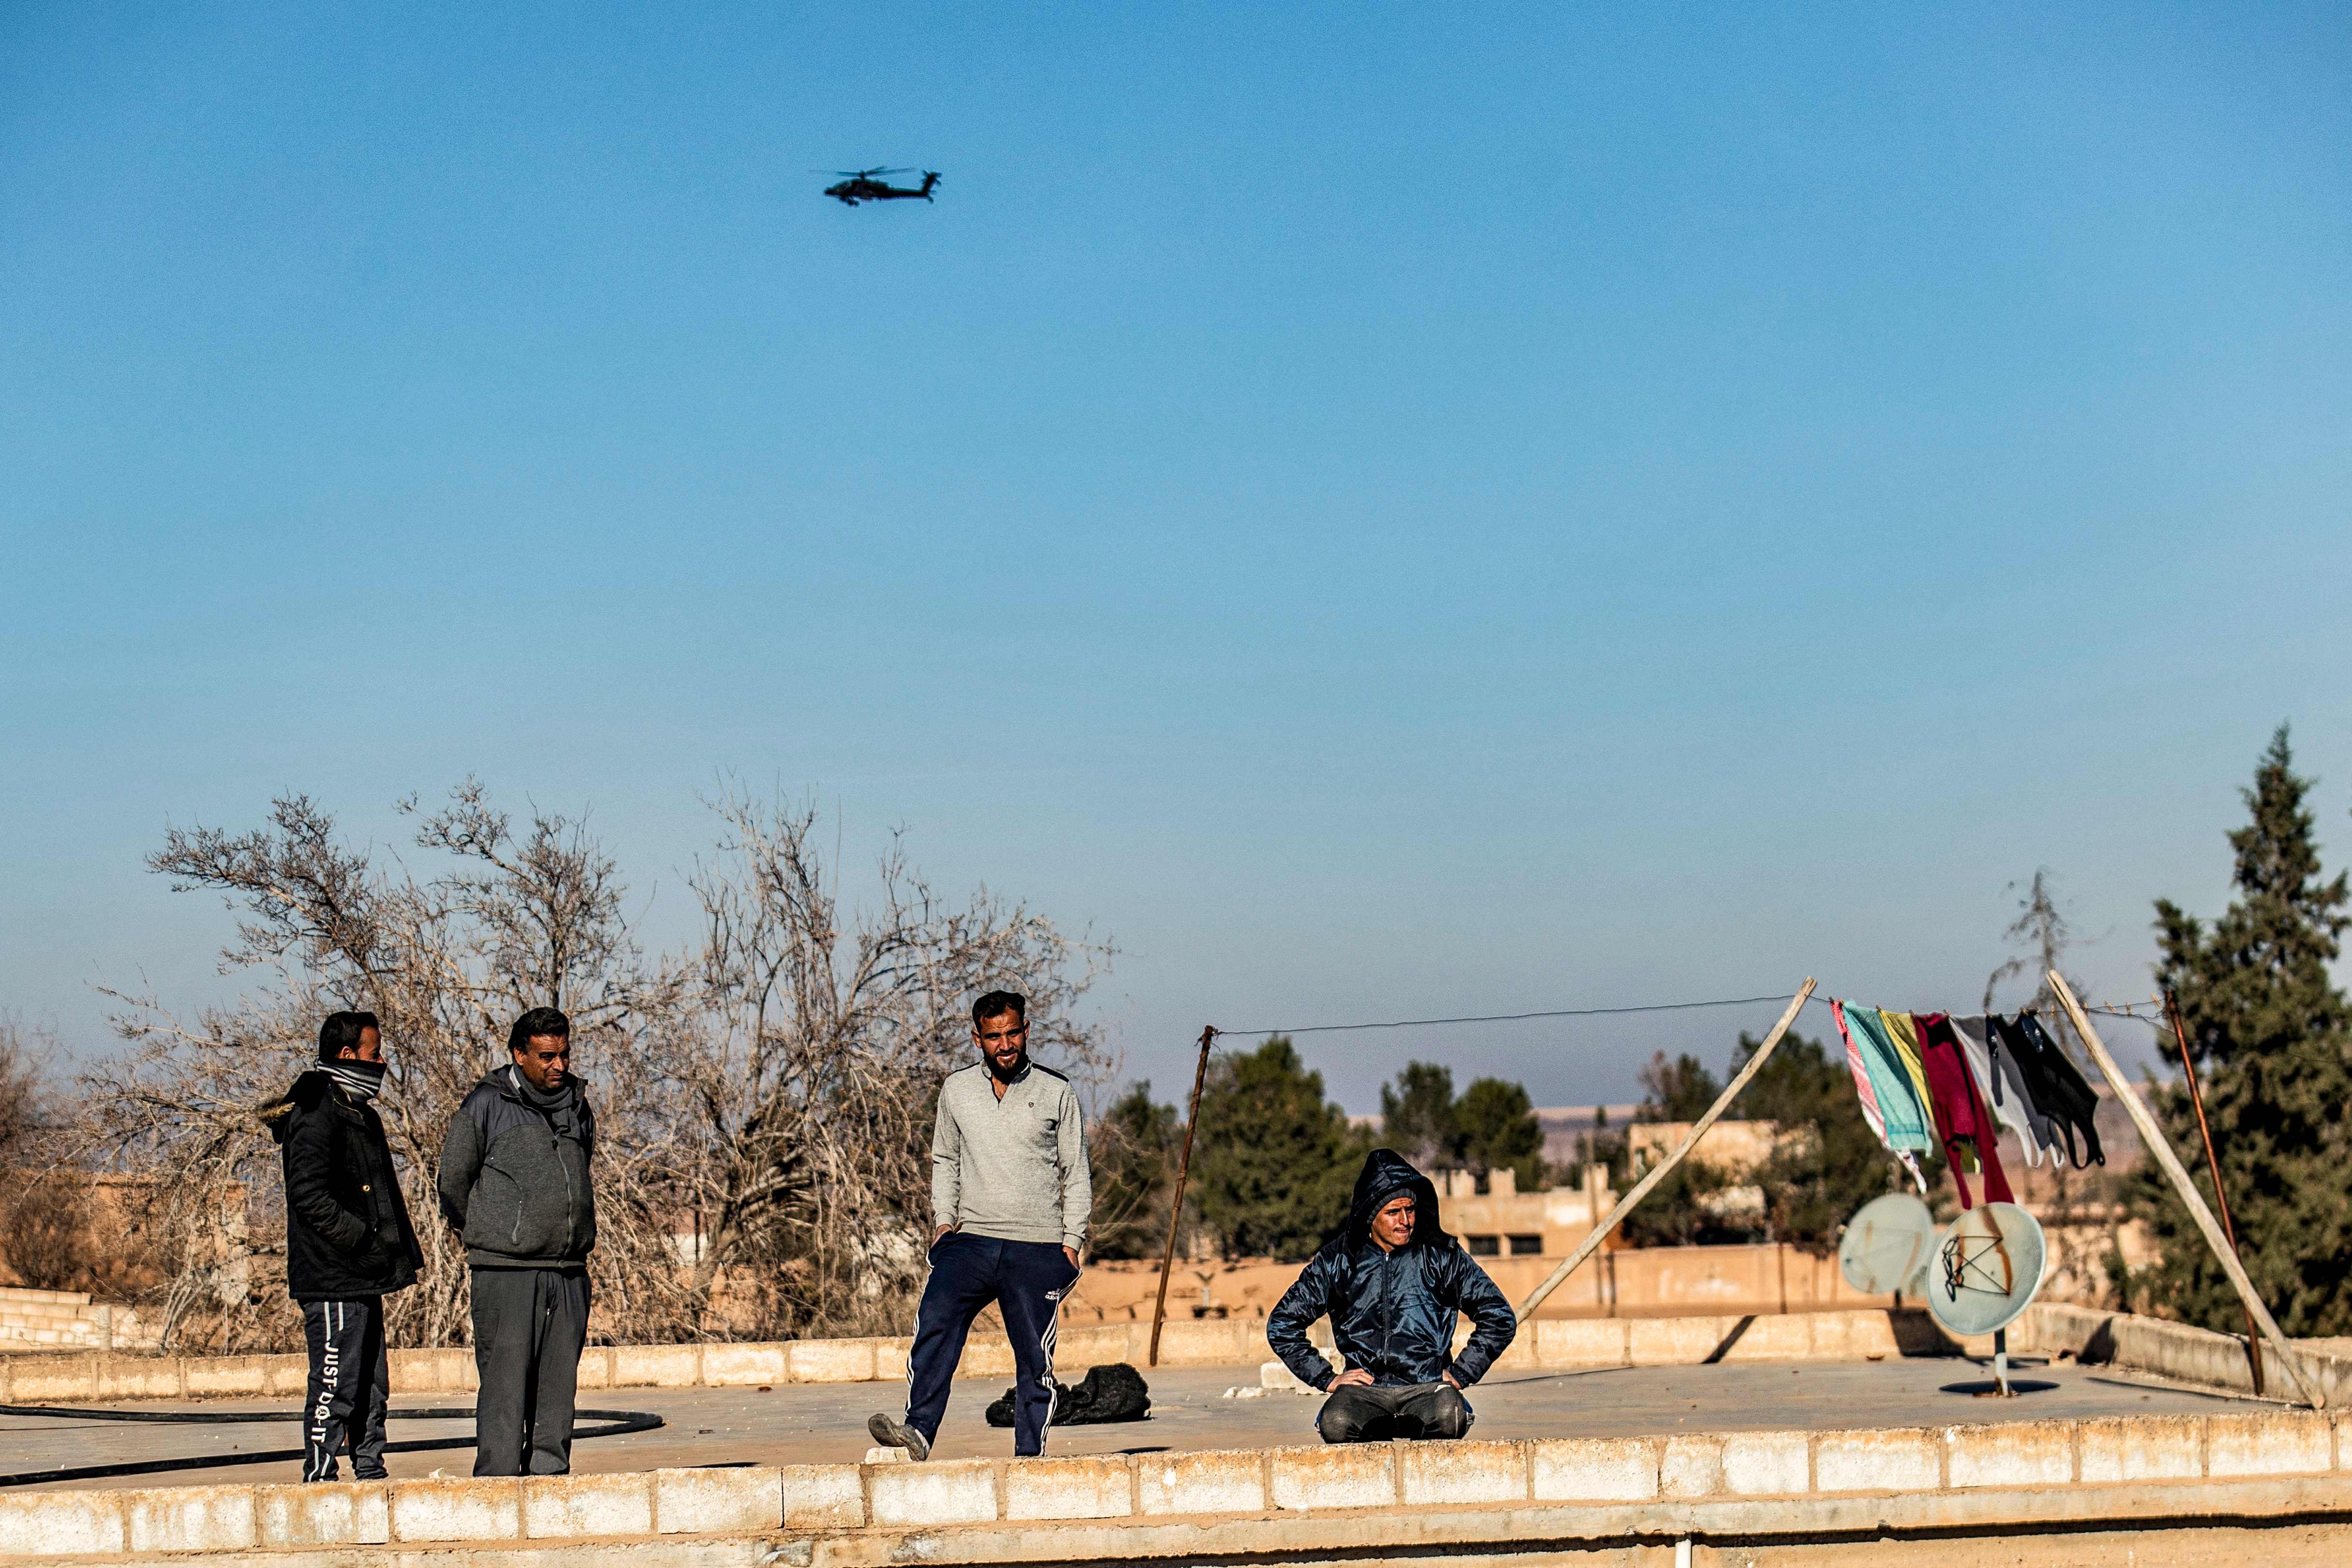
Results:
x,y
619,1422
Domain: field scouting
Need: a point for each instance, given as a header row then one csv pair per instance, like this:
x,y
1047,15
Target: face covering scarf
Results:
x,y
360,1080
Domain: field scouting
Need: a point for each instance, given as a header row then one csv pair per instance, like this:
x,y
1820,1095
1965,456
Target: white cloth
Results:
x,y
1972,1030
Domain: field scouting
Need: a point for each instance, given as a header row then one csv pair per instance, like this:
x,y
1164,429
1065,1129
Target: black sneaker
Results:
x,y
898,1435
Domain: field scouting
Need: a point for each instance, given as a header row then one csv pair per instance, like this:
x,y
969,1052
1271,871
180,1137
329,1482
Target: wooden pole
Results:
x,y
2213,1164
1585,1247
2154,1138
1176,1205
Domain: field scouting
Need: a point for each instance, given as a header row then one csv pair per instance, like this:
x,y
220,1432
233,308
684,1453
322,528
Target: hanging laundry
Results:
x,y
2018,1078
1899,1104
2057,1091
1969,1134
1961,1152
2078,1103
1862,1089
1862,1062
1905,1036
1975,1044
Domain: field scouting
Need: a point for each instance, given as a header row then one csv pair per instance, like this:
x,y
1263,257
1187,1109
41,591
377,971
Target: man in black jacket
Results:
x,y
348,1243
1394,1282
515,1183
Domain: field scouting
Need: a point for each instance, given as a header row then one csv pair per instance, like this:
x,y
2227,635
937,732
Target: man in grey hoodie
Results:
x,y
1011,1196
515,1182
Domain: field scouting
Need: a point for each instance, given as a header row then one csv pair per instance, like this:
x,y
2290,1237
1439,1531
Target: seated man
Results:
x,y
1392,1283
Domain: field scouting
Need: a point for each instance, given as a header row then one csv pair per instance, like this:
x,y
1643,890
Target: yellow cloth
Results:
x,y
1906,1036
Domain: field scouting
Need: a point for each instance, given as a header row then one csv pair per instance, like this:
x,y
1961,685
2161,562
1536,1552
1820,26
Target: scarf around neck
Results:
x,y
362,1080
559,1105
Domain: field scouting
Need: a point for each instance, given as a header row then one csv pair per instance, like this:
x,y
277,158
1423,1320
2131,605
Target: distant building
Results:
x,y
1503,1222
1568,1129
1728,1144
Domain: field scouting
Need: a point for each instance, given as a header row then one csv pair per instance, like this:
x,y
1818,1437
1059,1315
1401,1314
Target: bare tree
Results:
x,y
43,1212
2038,938
763,1099
24,1110
518,921
2078,1211
817,1045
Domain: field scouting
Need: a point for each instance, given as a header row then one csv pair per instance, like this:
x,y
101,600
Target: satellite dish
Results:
x,y
1885,1244
1985,1269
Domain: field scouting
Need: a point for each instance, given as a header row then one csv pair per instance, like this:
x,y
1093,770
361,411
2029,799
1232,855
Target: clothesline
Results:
x,y
1934,1083
1817,1000
1930,1083
1502,1017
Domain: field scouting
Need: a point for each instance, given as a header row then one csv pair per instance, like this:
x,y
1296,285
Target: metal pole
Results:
x,y
1176,1205
2213,1164
2153,1136
1584,1249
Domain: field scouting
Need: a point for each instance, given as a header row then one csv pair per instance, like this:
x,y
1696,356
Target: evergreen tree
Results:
x,y
1418,1118
1676,1091
1685,1208
1499,1129
1492,1123
1275,1160
1133,1153
2269,1035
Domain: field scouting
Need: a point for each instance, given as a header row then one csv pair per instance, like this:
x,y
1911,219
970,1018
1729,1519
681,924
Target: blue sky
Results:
x,y
1381,511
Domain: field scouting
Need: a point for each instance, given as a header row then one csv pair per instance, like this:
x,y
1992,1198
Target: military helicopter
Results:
x,y
866,186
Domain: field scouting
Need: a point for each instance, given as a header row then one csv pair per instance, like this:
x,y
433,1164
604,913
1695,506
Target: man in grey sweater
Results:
x,y
514,1181
1011,1195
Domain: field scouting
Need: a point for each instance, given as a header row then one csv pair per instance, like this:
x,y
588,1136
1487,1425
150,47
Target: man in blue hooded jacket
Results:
x,y
1394,1282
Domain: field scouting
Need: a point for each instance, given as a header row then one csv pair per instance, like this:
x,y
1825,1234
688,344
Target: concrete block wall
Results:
x,y
2070,1469
2172,1350
1547,1343
68,1320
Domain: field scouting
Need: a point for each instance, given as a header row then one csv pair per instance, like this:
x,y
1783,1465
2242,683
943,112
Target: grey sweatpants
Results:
x,y
529,1327
1362,1413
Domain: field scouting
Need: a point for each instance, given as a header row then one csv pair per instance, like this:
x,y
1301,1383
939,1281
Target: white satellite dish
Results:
x,y
1983,1272
1986,1267
1886,1244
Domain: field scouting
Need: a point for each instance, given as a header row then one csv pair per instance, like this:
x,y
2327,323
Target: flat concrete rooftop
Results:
x,y
825,1423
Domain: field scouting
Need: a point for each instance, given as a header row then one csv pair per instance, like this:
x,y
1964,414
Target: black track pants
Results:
x,y
350,1385
529,1327
1362,1413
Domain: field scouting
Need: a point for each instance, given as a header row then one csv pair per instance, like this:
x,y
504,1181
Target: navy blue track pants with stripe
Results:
x,y
1027,1281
